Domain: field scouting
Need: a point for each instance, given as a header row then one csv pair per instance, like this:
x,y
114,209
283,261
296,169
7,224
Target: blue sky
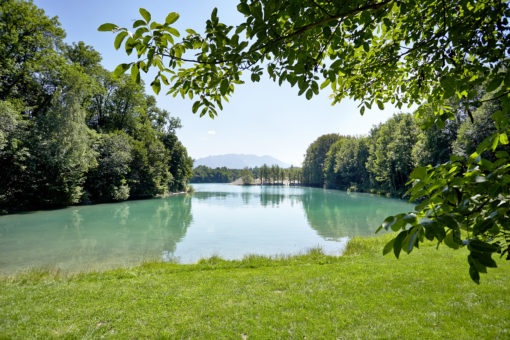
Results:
x,y
261,118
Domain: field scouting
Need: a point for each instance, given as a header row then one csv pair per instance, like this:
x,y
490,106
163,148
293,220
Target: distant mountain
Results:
x,y
236,161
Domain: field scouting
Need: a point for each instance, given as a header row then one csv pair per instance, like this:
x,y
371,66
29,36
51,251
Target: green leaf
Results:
x,y
325,83
135,73
156,86
119,39
380,105
419,173
138,23
107,27
503,138
475,276
145,14
120,69
495,143
309,94
173,31
481,246
397,245
494,83
224,86
475,263
129,45
484,259
448,220
410,239
171,18
140,31
388,222
449,241
410,218
195,107
388,247
243,8
315,87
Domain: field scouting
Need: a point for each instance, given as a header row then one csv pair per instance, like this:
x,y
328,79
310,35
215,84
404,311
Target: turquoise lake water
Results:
x,y
217,219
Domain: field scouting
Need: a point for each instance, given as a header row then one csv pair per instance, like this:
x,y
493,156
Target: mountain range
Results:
x,y
238,161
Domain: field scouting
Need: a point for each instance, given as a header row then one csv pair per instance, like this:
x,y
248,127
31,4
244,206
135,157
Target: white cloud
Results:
x,y
211,132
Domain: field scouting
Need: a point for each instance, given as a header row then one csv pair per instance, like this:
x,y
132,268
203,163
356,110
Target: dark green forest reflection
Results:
x,y
92,237
335,214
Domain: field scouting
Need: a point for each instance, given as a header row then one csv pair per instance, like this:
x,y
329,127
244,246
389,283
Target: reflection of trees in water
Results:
x,y
138,229
109,234
245,196
238,198
335,214
204,196
273,199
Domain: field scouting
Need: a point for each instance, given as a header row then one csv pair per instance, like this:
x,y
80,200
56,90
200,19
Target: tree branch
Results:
x,y
297,32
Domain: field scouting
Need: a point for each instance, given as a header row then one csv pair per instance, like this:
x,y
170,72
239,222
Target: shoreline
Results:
x,y
27,211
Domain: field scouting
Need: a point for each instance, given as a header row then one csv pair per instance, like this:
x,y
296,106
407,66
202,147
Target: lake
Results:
x,y
217,219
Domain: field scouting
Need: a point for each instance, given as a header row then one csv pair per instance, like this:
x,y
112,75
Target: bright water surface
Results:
x,y
218,219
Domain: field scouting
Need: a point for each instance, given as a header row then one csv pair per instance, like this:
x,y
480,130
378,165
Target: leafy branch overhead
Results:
x,y
386,51
402,52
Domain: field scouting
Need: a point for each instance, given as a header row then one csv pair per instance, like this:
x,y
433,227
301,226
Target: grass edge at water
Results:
x,y
312,295
357,246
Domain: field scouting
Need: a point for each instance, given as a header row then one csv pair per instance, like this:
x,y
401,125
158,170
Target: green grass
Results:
x,y
426,295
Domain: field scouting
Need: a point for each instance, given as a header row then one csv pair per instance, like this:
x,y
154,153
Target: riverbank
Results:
x,y
427,294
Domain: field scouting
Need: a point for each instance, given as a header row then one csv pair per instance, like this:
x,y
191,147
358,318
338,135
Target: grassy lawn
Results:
x,y
426,295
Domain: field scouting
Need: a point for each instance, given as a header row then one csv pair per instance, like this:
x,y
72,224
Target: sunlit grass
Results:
x,y
427,294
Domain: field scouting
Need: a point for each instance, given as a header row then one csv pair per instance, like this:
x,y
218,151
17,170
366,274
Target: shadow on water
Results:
x,y
94,237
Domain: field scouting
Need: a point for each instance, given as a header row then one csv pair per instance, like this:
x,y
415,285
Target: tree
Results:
x,y
390,161
61,144
14,153
346,164
435,144
315,158
180,164
246,176
264,174
472,133
107,181
404,52
333,178
29,61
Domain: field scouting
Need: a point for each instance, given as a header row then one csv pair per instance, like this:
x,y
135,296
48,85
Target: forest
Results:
x,y
72,132
383,161
267,175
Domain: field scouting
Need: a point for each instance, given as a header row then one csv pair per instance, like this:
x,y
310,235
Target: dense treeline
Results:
x,y
204,174
264,175
383,160
70,132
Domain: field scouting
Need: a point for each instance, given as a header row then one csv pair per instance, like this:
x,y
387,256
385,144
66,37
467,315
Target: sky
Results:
x,y
261,118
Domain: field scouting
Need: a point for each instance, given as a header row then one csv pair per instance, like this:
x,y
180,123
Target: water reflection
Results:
x,y
92,237
333,214
336,214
